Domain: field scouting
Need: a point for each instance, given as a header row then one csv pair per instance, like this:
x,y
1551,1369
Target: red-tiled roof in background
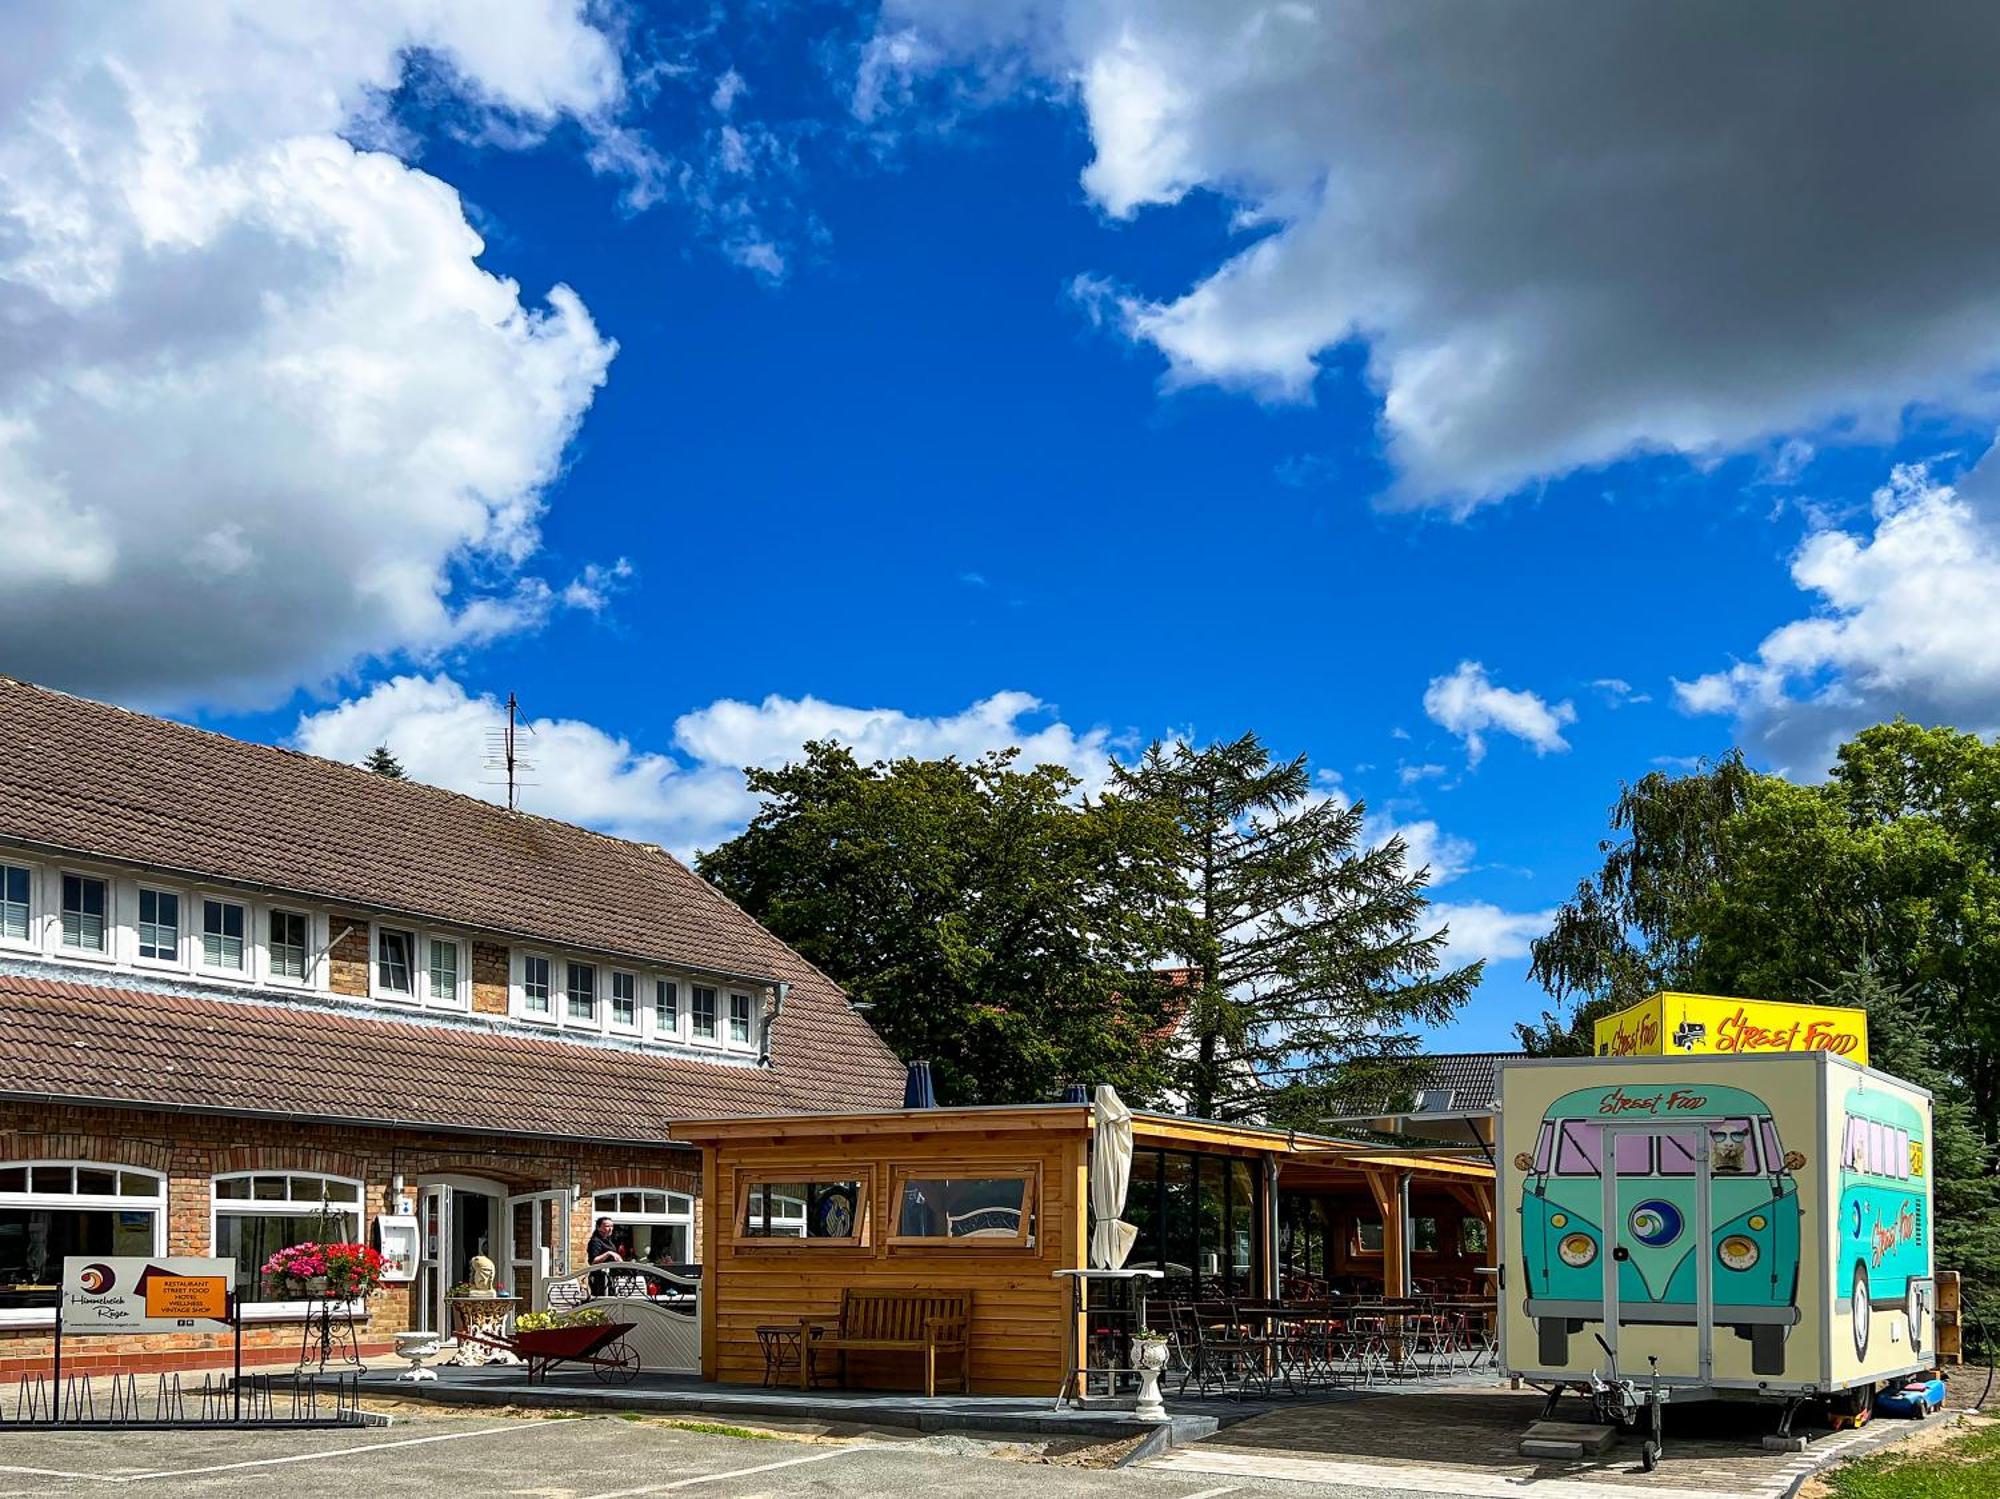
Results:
x,y
97,780
228,1056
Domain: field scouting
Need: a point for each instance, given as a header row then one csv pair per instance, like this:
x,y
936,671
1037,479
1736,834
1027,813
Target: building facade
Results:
x,y
248,996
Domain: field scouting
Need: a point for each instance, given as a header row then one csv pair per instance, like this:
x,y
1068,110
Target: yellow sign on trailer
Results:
x,y
1669,1025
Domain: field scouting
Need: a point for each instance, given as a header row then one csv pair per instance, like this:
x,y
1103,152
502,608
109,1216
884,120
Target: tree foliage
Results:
x,y
1307,945
996,923
383,763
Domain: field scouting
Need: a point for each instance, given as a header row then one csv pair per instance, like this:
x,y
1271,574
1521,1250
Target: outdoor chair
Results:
x,y
1222,1359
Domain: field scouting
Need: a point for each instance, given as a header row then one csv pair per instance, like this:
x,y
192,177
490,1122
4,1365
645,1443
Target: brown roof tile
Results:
x,y
98,780
229,1056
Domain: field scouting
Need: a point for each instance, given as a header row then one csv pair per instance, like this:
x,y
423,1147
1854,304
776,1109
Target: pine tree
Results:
x,y
383,763
1308,952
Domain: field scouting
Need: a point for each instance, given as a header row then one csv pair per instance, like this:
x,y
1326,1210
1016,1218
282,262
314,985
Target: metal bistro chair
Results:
x,y
1221,1360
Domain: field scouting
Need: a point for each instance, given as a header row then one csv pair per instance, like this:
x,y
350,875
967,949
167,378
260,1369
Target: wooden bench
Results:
x,y
882,1320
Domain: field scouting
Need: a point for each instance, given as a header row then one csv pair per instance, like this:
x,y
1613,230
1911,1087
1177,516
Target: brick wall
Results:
x,y
347,958
191,1150
489,978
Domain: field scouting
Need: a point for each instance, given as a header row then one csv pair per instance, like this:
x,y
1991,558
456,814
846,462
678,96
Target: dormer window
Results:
x,y
624,1001
288,946
13,902
159,926
702,1007
222,935
739,1020
84,901
395,967
582,992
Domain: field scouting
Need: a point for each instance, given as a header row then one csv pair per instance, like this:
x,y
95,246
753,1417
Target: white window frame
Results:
x,y
630,1027
749,1041
248,972
32,940
108,954
280,1311
140,890
598,1005
713,1039
517,997
461,991
679,1028
666,1218
268,968
414,995
156,1204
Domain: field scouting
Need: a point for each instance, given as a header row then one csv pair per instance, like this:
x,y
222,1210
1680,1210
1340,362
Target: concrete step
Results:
x,y
1568,1439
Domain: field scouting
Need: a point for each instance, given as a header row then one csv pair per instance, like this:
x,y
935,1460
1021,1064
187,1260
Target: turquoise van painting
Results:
x,y
1884,1261
1568,1250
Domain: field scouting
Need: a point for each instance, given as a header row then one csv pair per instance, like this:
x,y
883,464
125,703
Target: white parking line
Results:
x,y
688,1483
58,1473
1227,1488
1446,1483
330,1455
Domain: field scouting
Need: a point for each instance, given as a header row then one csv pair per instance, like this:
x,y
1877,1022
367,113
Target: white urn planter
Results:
x,y
1149,1358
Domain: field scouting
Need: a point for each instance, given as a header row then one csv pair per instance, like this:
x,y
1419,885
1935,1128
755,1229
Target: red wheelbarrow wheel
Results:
x,y
618,1364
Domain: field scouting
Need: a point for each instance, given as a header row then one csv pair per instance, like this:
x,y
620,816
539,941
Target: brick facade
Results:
x,y
489,978
191,1150
347,957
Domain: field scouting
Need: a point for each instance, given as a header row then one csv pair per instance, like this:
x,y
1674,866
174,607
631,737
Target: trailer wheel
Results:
x,y
1649,1455
1913,1305
1767,1348
1552,1334
1862,1307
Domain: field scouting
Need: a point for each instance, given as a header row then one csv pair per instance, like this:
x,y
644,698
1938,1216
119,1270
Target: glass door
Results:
x,y
537,1244
434,1265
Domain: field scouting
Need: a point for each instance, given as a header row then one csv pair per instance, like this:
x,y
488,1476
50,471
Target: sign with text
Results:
x,y
132,1293
1711,1025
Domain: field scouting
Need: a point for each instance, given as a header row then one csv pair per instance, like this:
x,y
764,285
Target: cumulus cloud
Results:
x,y
1469,704
690,794
1901,622
1564,231
1479,929
262,412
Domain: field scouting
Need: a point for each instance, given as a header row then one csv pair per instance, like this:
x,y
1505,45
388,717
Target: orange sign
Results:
x,y
187,1296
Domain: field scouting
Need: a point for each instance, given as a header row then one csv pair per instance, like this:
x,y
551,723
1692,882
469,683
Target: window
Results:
x,y
739,1019
832,1211
49,1209
1368,1236
582,991
444,971
83,903
657,1227
1424,1235
259,1213
159,926
1472,1236
994,1211
1577,1147
393,961
666,1008
13,902
624,1001
222,935
535,985
288,945
702,1004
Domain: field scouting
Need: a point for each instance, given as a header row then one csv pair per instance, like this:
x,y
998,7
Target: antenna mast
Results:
x,y
503,755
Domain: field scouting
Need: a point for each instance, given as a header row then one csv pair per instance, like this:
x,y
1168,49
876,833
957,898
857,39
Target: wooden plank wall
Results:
x,y
1018,1309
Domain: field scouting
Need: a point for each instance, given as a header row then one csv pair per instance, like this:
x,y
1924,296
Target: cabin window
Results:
x,y
1368,1236
1578,1146
1634,1154
981,1209
826,1210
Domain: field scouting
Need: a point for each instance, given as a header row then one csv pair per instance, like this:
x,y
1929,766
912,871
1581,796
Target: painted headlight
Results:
x,y
1754,1221
1737,1252
1577,1250
1559,1220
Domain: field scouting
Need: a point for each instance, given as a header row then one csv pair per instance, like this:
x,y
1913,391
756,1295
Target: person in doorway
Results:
x,y
603,1249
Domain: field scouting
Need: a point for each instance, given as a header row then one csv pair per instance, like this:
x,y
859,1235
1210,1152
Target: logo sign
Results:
x,y
1710,1025
126,1293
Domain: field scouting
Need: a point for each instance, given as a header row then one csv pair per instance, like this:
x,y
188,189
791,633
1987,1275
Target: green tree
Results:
x,y
1307,945
996,923
383,763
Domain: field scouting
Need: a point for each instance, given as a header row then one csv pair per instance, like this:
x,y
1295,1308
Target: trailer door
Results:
x,y
1658,1218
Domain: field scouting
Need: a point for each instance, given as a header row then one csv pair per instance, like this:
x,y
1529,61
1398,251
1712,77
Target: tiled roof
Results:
x,y
98,780
1471,1077
228,1056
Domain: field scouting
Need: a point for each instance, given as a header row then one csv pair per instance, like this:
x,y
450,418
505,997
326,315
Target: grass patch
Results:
x,y
1966,1466
704,1428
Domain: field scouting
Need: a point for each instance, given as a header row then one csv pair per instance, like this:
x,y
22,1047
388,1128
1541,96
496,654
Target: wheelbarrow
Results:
x,y
598,1346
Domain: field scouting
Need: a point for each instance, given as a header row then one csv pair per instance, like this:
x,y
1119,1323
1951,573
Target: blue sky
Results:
x,y
1082,354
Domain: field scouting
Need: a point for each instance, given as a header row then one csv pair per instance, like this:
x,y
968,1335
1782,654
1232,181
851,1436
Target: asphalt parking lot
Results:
x,y
585,1458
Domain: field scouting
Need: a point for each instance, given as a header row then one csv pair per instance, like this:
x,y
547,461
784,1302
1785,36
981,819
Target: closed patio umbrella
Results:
x,y
1110,1174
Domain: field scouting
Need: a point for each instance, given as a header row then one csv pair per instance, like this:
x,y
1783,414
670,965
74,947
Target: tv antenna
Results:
x,y
503,755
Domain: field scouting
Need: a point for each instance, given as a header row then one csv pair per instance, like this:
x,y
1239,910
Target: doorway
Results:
x,y
458,1217
537,1245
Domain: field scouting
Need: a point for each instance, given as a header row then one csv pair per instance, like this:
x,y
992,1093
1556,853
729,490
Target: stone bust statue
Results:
x,y
481,1283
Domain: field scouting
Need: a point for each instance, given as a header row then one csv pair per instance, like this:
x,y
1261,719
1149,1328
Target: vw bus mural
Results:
x,y
1883,1261
1567,1245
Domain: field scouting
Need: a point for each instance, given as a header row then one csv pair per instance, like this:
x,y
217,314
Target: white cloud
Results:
x,y
1903,622
1469,704
1618,692
262,412
1480,929
1555,250
1410,775
690,795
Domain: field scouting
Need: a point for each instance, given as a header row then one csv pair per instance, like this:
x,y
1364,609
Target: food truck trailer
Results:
x,y
1729,1225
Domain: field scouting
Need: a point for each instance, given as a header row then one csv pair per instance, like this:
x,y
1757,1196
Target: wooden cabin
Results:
x,y
995,1200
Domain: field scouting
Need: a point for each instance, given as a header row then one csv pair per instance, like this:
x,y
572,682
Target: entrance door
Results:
x,y
1658,1216
537,1244
435,1258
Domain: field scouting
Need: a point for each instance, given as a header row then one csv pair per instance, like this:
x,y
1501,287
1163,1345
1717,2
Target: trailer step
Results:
x,y
1568,1439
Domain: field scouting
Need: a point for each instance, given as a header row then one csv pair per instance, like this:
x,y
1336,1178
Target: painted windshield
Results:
x,y
1733,1151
